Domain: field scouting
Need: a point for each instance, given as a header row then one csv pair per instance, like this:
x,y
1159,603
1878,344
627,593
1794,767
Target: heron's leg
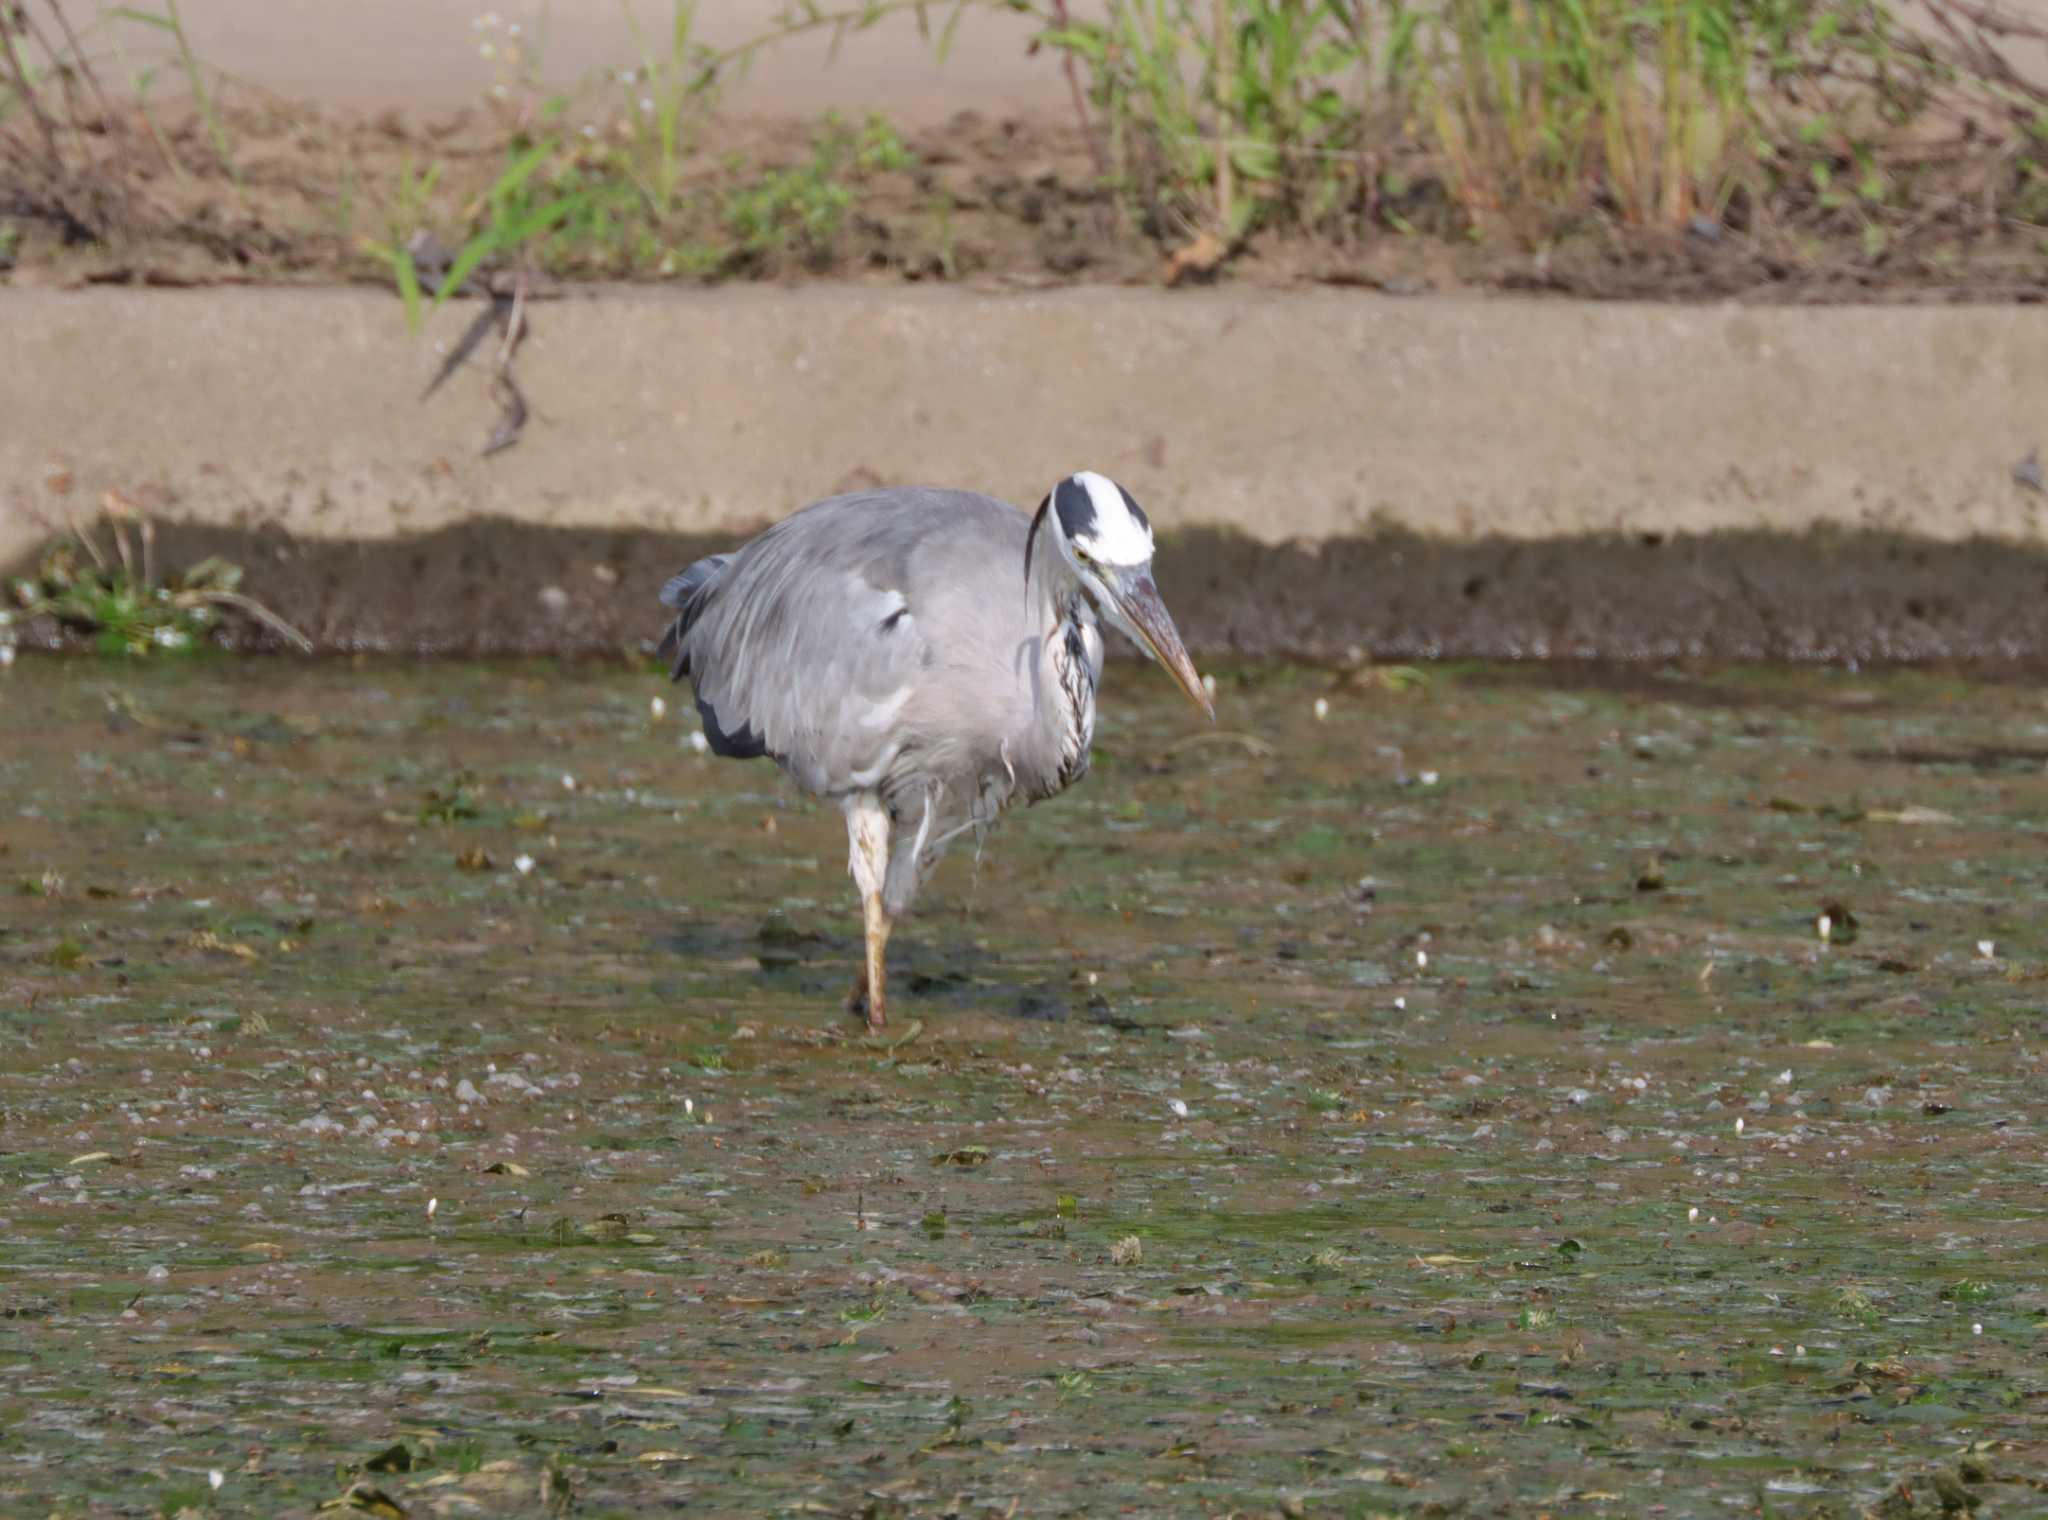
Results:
x,y
867,837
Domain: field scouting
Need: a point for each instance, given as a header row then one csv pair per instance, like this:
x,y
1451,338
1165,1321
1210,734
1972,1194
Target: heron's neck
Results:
x,y
1073,659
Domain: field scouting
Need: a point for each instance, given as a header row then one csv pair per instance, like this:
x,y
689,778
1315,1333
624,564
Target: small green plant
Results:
x,y
1074,1385
121,603
520,210
171,24
798,212
859,1318
456,801
1970,1290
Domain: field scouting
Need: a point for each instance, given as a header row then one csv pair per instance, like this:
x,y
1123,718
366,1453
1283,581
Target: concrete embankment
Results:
x,y
1328,468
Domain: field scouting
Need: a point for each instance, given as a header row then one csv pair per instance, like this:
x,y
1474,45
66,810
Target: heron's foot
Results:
x,y
858,1002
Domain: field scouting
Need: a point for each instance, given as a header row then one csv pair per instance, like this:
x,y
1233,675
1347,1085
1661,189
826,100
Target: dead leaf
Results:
x,y
206,939
507,1169
91,1156
1912,815
1202,256
372,1501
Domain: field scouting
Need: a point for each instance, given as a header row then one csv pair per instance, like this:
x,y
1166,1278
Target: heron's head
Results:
x,y
1104,539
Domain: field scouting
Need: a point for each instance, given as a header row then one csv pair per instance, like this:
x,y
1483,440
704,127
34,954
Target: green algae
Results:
x,y
1422,1110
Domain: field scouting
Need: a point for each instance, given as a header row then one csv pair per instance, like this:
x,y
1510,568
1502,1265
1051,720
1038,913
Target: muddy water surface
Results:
x,y
426,1081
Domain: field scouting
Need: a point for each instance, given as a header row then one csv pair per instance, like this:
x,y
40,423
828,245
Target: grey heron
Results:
x,y
924,658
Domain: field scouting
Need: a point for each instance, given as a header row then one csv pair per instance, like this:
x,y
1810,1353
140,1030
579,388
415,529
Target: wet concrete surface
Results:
x,y
495,588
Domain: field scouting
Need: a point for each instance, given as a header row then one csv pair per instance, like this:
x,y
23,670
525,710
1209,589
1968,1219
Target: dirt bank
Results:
x,y
332,132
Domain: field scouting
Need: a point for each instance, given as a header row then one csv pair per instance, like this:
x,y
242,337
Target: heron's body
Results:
x,y
905,654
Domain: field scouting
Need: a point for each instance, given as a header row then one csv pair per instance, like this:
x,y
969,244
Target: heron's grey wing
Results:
x,y
808,649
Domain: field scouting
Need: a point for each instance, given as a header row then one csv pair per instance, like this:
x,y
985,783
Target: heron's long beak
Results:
x,y
1138,600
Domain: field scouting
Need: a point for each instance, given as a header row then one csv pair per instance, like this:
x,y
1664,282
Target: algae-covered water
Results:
x,y
1519,1093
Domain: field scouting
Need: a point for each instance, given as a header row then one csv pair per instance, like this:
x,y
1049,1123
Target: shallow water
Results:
x,y
1302,1117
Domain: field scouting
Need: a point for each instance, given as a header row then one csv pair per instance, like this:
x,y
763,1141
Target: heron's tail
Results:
x,y
688,592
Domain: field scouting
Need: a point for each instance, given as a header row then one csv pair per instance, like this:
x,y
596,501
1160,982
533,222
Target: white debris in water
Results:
x,y
1986,950
1427,778
697,741
1692,1215
1738,1125
1180,1109
432,1205
1400,1004
1209,687
1578,1095
1322,708
1784,1078
523,863
1422,960
6,656
658,707
158,1273
568,782
689,1105
1824,926
465,1092
1976,1329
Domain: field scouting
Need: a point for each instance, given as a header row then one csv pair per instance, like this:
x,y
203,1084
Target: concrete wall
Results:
x,y
1312,416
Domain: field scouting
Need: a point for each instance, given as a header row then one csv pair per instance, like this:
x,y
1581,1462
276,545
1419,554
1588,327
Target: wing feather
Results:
x,y
816,642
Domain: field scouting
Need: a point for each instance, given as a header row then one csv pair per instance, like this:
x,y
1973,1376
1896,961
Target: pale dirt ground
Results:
x,y
421,55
